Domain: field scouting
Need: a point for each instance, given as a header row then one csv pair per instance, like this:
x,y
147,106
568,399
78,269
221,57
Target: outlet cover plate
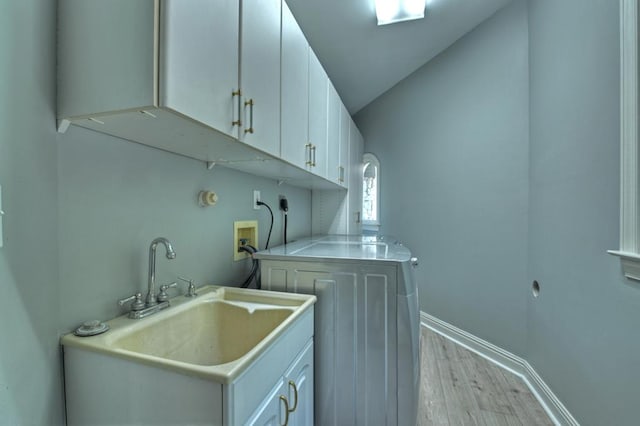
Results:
x,y
256,198
245,229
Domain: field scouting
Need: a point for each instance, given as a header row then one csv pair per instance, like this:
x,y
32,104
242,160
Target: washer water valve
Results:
x,y
207,198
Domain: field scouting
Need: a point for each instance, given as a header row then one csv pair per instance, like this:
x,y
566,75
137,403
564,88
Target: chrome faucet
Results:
x,y
152,298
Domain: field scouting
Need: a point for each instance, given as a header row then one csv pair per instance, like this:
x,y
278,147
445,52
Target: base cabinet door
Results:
x,y
299,382
290,401
274,409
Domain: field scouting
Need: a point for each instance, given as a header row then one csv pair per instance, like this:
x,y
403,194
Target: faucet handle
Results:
x,y
137,303
191,291
163,296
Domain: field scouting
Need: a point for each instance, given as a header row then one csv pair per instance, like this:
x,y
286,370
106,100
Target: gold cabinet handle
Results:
x,y
286,410
307,149
295,395
249,104
238,122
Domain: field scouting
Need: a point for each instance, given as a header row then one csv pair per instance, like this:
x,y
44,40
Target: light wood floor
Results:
x,y
459,387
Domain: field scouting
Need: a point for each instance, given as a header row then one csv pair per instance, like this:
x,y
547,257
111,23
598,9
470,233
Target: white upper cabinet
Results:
x,y
230,82
304,100
318,114
345,128
338,122
200,72
356,151
260,74
107,56
295,93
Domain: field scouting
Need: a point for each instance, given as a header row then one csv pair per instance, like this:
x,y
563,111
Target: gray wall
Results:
x,y
115,197
82,209
479,199
582,330
30,388
452,140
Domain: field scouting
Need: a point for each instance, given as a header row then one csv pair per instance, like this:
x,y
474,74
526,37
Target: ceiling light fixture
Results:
x,y
390,11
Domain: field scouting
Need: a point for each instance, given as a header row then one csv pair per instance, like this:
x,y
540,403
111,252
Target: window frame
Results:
x,y
629,251
372,225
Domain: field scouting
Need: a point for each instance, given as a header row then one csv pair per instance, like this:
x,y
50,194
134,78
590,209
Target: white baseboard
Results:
x,y
518,366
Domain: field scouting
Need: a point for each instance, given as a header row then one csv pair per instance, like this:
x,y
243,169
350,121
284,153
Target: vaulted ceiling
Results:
x,y
365,60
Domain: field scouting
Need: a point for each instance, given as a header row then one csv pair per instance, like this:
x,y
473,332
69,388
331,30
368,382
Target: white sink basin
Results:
x,y
215,335
210,333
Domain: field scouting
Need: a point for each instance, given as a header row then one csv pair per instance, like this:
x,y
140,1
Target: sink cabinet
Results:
x,y
104,388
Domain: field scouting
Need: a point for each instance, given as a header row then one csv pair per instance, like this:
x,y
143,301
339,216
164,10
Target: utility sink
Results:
x,y
210,333
216,335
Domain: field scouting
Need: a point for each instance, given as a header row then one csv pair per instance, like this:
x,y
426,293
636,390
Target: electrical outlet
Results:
x,y
256,198
284,204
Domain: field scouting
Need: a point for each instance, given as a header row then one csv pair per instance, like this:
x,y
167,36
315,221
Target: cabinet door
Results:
x,y
295,93
345,127
318,113
333,134
101,66
356,150
273,410
260,74
199,61
299,382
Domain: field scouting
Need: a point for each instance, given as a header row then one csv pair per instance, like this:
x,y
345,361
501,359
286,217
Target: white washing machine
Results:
x,y
367,324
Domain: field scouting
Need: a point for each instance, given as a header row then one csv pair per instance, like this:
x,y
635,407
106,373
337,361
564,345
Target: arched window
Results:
x,y
370,192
